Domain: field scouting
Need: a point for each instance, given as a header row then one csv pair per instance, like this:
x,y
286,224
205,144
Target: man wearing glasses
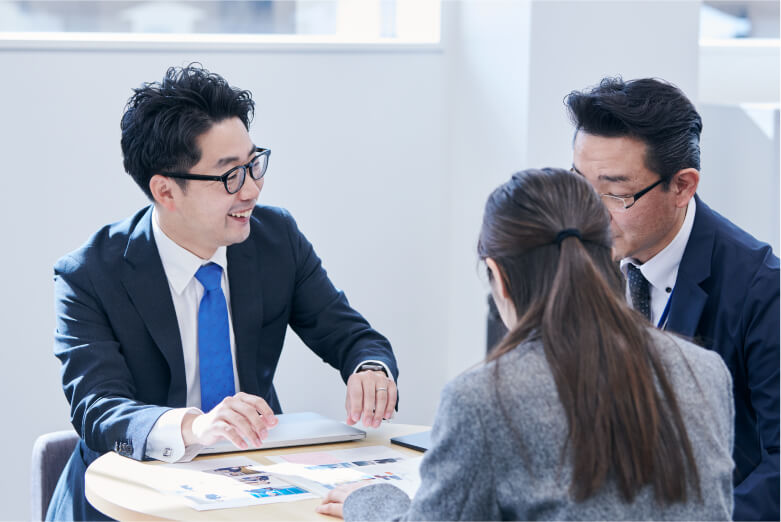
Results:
x,y
688,269
170,323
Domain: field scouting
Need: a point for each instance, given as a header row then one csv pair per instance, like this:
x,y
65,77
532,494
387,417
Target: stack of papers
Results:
x,y
238,481
319,472
224,483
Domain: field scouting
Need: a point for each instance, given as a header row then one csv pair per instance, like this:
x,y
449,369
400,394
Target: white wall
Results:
x,y
385,158
574,44
739,71
740,166
739,104
486,73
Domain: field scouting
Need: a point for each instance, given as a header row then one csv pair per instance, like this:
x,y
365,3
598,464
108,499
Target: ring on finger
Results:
x,y
381,389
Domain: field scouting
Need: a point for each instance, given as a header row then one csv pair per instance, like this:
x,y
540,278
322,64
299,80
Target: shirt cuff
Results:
x,y
387,370
165,441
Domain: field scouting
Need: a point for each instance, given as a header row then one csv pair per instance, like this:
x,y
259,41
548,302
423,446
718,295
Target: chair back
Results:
x,y
50,454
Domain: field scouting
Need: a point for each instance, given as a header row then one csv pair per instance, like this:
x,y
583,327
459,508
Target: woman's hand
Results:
x,y
334,502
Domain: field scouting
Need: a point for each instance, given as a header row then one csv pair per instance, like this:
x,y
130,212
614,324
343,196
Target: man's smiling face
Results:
x,y
203,215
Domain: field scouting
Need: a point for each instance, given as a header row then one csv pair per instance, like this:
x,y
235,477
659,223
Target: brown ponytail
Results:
x,y
623,416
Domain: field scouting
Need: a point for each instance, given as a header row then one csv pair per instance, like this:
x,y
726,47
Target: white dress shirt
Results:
x,y
180,265
165,439
661,270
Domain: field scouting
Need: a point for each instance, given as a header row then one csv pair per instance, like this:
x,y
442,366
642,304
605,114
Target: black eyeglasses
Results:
x,y
235,177
622,203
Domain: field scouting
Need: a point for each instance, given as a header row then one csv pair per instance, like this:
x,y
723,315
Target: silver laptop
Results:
x,y
296,429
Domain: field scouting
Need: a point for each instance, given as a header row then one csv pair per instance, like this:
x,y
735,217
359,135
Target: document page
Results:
x,y
224,483
319,472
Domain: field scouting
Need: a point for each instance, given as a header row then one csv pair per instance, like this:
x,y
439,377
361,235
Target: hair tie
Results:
x,y
564,234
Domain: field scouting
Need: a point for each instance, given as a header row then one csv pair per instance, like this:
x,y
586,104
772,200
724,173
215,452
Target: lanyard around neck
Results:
x,y
663,319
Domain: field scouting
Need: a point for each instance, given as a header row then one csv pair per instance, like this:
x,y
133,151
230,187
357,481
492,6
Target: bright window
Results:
x,y
723,19
335,20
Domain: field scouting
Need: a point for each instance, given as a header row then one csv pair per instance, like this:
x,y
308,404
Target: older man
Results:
x,y
689,270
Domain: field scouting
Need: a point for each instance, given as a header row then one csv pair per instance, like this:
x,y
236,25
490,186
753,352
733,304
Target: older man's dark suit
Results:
x,y
726,298
118,337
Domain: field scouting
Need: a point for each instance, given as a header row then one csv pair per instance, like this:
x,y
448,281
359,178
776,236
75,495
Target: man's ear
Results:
x,y
163,191
684,185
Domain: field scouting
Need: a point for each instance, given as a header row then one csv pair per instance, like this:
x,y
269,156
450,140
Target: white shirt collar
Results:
x,y
179,263
662,269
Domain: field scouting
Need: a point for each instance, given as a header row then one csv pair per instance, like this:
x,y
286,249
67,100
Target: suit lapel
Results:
x,y
144,279
246,310
688,299
686,308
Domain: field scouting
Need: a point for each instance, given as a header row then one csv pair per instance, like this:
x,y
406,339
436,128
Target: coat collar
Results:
x,y
689,298
144,279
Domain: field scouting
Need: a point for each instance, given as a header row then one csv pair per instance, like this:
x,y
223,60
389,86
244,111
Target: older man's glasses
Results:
x,y
621,203
235,177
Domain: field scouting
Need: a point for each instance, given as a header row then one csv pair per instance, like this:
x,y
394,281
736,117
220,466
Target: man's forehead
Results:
x,y
589,142
225,142
232,158
605,159
604,177
218,156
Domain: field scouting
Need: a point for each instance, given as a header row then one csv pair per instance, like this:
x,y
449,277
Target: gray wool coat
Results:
x,y
474,471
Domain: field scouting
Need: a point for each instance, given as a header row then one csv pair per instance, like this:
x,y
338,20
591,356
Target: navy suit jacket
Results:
x,y
726,298
118,338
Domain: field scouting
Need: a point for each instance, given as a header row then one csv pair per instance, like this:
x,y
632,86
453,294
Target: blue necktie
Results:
x,y
214,346
639,291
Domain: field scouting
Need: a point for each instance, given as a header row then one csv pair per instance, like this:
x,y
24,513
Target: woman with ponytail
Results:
x,y
583,411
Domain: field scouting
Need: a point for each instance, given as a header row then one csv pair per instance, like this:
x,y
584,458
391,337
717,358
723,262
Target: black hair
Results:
x,y
650,110
162,120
